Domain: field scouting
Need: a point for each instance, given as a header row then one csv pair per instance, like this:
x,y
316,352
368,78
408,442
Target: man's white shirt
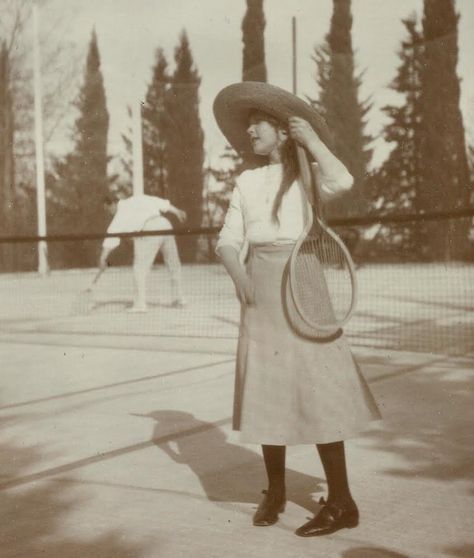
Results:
x,y
132,214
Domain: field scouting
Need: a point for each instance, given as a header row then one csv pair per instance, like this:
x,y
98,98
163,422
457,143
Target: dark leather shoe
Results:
x,y
330,519
268,510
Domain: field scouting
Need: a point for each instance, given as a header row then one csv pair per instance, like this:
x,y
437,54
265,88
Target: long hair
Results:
x,y
288,157
289,161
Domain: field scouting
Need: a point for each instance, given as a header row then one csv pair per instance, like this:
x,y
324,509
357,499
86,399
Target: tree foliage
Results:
x,y
153,129
77,194
58,76
17,153
396,185
253,26
184,146
7,184
338,102
446,183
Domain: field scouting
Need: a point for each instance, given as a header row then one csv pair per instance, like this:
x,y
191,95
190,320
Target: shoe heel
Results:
x,y
352,521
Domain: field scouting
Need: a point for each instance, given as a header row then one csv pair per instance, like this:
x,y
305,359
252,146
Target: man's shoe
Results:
x,y
268,510
330,519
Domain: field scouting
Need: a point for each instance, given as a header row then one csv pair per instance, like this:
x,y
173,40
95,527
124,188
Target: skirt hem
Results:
x,y
250,439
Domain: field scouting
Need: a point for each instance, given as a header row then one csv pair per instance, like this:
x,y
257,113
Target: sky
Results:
x,y
130,31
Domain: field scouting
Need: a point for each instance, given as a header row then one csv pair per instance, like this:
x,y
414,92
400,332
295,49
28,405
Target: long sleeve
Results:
x,y
332,185
232,232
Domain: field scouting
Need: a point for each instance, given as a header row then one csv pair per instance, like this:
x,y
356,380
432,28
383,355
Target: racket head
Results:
x,y
322,280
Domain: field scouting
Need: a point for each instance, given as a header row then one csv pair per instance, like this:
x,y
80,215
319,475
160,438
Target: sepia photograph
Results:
x,y
236,278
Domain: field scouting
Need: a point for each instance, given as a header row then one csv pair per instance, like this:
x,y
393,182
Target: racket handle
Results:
x,y
96,278
305,173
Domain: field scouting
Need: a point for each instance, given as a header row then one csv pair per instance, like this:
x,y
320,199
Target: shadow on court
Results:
x,y
452,334
433,439
466,551
33,519
371,552
431,303
227,472
176,481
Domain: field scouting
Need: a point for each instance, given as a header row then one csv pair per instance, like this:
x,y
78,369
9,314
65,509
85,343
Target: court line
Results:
x,y
116,384
407,370
122,347
161,440
432,303
111,454
110,333
379,332
148,489
443,358
455,351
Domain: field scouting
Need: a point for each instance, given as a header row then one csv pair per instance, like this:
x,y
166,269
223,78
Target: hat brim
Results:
x,y
234,103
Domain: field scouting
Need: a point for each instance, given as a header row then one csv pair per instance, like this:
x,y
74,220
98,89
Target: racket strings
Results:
x,y
322,280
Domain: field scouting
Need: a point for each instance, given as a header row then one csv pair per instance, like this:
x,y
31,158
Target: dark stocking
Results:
x,y
334,463
274,457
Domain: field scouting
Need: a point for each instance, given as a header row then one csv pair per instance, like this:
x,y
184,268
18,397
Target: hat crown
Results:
x,y
233,104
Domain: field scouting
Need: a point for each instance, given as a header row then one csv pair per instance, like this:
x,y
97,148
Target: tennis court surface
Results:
x,y
116,438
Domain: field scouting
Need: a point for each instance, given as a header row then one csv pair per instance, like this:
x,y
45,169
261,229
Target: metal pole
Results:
x,y
43,267
293,29
303,162
138,188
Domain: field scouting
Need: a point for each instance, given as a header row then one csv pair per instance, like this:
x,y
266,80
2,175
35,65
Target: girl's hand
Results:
x,y
244,287
245,290
301,131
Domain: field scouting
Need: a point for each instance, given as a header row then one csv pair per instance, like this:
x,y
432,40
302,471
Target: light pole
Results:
x,y
43,267
305,170
137,147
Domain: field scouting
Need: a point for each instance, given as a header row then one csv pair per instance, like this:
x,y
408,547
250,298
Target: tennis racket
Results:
x,y
83,302
322,274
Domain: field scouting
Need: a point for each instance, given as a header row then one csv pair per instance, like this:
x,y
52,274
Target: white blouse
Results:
x,y
249,217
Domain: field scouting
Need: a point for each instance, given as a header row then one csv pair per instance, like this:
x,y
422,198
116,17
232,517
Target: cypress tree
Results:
x,y
446,182
153,126
253,26
184,147
338,102
253,60
397,183
7,179
91,139
81,184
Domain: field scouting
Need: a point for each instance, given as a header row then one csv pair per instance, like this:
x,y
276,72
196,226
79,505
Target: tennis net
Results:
x,y
413,296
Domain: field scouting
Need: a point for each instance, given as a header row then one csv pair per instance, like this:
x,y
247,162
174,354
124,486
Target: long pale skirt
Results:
x,y
290,388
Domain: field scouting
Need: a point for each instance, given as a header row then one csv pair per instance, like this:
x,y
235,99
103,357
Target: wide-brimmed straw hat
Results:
x,y
234,103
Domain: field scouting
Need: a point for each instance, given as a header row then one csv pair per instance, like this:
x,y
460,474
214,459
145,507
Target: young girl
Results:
x,y
289,388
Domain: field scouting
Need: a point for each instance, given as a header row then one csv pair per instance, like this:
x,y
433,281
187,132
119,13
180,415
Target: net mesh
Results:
x,y
405,301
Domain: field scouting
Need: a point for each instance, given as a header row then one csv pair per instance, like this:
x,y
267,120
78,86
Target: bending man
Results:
x,y
145,213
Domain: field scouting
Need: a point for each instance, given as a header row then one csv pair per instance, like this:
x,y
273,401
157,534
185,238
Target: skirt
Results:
x,y
289,387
